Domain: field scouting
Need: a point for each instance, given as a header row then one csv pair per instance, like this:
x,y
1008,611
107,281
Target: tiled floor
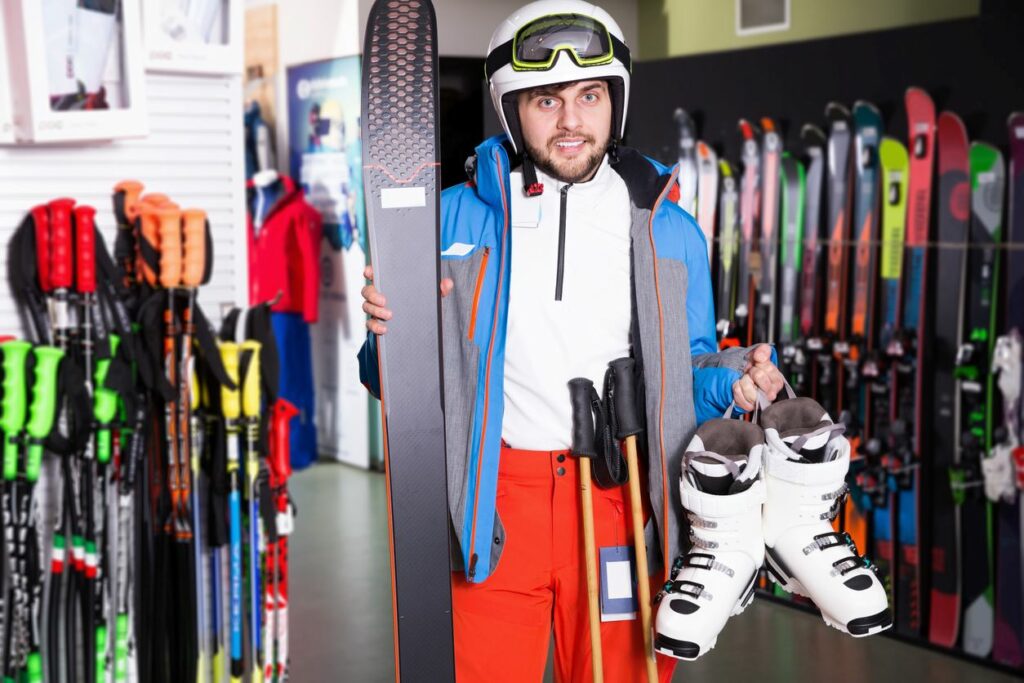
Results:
x,y
340,611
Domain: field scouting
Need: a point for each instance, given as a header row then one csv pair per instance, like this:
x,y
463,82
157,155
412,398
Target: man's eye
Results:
x,y
547,102
590,97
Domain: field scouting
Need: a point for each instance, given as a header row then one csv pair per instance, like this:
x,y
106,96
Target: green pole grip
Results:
x,y
44,406
101,652
121,648
13,407
104,404
35,668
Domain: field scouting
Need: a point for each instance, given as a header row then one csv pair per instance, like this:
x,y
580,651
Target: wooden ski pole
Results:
x,y
628,427
582,391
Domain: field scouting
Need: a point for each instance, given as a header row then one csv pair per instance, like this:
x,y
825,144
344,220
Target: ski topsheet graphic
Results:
x,y
401,177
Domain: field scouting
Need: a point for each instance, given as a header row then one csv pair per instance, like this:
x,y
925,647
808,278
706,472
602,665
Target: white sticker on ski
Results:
x,y
402,197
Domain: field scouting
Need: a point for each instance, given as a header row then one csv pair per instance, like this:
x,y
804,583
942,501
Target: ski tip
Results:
x,y
836,110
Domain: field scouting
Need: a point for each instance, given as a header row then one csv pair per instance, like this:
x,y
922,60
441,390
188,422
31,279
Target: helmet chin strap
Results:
x,y
531,186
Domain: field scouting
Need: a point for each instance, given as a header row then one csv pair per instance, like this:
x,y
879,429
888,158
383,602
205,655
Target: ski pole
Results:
x,y
199,550
582,391
42,414
251,419
277,557
628,427
92,596
193,232
13,412
231,408
105,403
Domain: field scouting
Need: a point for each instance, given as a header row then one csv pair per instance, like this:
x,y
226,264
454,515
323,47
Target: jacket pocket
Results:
x,y
481,274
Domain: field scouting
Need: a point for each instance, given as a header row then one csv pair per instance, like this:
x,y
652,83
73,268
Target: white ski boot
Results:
x,y
805,472
722,493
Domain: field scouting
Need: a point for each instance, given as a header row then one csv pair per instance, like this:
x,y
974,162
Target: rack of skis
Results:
x,y
145,460
890,276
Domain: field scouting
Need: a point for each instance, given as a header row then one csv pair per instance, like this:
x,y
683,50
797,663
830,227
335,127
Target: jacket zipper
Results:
x,y
561,242
476,293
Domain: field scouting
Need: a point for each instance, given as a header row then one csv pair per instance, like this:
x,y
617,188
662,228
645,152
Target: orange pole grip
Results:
x,y
170,247
194,232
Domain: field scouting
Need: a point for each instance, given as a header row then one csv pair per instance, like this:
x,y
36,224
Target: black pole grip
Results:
x,y
627,421
581,390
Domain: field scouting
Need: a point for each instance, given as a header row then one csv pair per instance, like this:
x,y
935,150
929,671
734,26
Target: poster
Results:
x,y
326,160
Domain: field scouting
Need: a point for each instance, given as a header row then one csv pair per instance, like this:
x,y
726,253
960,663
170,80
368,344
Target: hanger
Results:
x,y
264,178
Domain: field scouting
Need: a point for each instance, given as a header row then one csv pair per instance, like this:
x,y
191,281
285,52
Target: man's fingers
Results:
x,y
740,399
446,286
376,326
371,294
368,272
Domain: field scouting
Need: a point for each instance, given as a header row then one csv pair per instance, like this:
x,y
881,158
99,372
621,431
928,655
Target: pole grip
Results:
x,y
229,400
85,249
41,222
14,404
170,246
251,381
194,232
280,426
581,392
126,199
147,258
627,419
44,406
60,247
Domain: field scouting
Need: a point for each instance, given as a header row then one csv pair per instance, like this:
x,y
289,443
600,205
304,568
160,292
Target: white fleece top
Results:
x,y
550,342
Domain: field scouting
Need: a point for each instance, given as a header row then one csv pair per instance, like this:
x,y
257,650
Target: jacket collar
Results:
x,y
645,178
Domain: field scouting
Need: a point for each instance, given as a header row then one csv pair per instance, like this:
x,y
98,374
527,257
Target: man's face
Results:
x,y
567,128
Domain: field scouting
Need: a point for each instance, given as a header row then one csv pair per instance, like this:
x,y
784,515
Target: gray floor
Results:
x,y
340,612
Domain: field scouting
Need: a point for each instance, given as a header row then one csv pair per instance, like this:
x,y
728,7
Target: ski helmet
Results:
x,y
556,41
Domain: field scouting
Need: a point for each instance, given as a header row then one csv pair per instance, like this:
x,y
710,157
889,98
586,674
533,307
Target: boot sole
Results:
x,y
857,628
689,651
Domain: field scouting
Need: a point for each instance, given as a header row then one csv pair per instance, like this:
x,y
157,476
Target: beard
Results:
x,y
575,170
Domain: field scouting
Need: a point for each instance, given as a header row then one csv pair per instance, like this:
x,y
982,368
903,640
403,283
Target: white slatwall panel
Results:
x,y
194,153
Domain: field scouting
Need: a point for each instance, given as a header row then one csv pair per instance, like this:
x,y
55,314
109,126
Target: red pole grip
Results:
x,y
61,252
41,221
85,249
280,460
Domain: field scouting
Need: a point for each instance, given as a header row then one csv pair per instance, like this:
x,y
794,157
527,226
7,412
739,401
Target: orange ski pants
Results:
x,y
503,625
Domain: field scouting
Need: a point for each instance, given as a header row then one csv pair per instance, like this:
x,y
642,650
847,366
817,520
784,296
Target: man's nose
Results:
x,y
570,119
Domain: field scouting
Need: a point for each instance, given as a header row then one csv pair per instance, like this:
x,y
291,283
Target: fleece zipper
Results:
x,y
561,242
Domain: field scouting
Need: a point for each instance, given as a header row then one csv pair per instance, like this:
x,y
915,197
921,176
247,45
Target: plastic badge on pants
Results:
x,y
618,576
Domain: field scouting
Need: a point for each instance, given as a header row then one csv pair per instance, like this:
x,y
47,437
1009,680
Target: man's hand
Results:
x,y
761,374
375,303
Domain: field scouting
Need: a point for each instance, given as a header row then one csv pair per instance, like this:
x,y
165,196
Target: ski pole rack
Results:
x,y
889,275
145,458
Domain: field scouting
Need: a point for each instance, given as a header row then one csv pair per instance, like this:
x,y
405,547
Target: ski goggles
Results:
x,y
536,46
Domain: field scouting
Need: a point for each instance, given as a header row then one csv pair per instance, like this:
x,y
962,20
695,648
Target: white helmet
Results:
x,y
556,41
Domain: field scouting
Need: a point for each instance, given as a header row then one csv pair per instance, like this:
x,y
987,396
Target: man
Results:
x,y
550,272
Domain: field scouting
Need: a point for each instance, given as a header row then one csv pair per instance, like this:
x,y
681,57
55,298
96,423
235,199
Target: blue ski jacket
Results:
x,y
685,380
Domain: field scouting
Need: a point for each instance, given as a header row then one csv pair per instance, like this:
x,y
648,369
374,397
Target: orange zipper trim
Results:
x,y
476,292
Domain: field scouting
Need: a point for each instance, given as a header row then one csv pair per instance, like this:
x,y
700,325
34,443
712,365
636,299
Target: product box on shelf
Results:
x,y
194,36
76,71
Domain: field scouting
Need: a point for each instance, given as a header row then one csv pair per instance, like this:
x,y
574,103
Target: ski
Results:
x,y
907,353
728,252
954,206
766,278
750,257
830,379
1009,635
792,181
973,371
707,194
883,429
400,109
855,408
805,366
687,156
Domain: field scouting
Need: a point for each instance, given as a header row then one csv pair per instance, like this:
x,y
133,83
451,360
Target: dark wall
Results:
x,y
462,114
974,67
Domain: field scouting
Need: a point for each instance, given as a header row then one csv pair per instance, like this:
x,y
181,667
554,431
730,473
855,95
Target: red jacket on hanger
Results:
x,y
284,253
